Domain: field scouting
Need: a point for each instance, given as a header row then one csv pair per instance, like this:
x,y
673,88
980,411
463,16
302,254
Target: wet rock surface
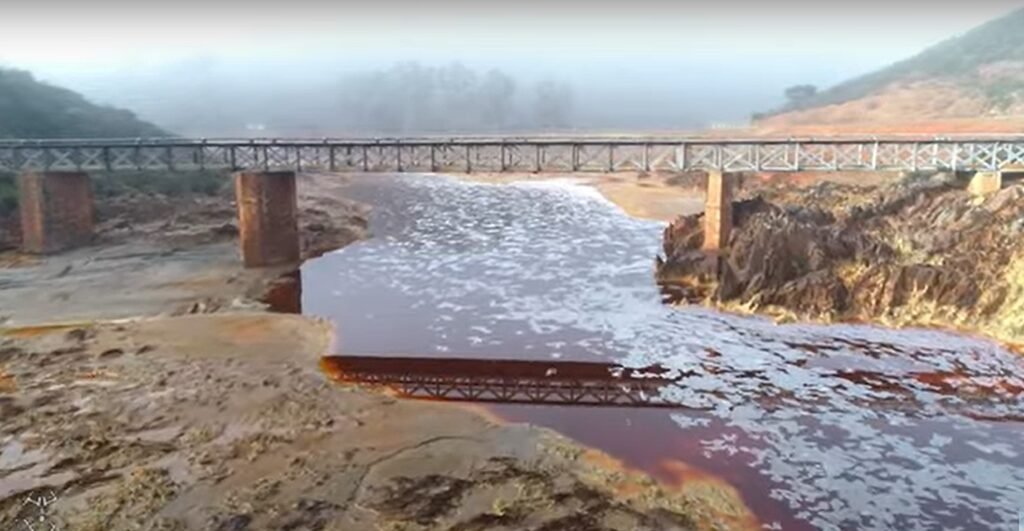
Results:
x,y
918,251
202,423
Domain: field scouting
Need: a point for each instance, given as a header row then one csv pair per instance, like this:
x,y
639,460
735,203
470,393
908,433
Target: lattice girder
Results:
x,y
542,154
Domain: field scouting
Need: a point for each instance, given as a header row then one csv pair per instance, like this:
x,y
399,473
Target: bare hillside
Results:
x,y
971,82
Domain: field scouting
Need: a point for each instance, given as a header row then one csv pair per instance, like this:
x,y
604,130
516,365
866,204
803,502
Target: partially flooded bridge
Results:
x,y
57,205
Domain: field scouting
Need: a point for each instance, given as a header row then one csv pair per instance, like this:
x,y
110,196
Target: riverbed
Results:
x,y
831,427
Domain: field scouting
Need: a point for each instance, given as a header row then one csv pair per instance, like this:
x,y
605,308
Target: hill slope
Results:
x,y
32,109
976,77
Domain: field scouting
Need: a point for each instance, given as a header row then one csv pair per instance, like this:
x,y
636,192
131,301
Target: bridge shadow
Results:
x,y
572,383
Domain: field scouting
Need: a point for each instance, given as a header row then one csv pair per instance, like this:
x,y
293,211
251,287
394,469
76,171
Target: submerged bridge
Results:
x,y
57,210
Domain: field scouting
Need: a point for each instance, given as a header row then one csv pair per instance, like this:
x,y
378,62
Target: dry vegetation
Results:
x,y
970,83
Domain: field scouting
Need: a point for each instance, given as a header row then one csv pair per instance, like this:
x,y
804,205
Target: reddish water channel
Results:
x,y
830,427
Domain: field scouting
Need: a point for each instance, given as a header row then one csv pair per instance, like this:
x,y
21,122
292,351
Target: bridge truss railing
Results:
x,y
516,155
506,381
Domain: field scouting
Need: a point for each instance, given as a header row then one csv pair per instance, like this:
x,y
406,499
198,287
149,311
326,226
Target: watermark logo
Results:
x,y
39,504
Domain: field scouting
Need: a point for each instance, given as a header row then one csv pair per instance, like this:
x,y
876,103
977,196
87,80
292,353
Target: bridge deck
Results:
x,y
537,154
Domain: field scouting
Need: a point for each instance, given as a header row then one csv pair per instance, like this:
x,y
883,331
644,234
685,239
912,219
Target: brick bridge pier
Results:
x,y
58,213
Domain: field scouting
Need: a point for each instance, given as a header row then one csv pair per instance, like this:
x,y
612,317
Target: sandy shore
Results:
x,y
665,197
655,197
165,420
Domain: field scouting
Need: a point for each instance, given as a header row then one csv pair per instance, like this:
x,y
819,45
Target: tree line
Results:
x,y
33,109
413,98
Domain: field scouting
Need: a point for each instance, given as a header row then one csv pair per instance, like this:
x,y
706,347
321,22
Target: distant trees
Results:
x,y
497,99
412,98
552,104
32,109
799,94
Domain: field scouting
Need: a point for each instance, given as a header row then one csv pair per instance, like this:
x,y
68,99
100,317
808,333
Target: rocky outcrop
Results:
x,y
839,251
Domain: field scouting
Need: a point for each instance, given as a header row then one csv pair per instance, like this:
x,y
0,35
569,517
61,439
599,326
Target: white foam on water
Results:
x,y
551,268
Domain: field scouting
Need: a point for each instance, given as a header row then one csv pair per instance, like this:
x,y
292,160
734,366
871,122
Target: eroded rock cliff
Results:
x,y
920,251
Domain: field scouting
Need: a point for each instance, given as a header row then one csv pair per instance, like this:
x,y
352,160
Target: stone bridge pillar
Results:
x,y
57,210
718,211
267,219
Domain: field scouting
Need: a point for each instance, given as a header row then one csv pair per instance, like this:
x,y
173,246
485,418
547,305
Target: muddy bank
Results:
x,y
224,422
166,254
919,251
199,210
326,219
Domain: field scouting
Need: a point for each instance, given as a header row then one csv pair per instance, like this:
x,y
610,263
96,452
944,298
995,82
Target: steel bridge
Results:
x,y
535,154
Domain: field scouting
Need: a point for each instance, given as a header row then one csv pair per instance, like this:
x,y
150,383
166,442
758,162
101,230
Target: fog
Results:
x,y
448,67
216,97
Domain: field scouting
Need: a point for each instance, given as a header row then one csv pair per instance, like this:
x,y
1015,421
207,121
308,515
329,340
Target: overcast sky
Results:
x,y
656,63
101,33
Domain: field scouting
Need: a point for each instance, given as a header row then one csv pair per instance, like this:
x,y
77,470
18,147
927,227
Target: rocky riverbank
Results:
x,y
918,251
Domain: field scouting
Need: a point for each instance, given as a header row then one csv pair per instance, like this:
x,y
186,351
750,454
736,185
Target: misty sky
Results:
x,y
737,51
78,34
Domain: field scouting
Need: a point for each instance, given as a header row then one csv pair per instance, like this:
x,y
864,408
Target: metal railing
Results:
x,y
534,154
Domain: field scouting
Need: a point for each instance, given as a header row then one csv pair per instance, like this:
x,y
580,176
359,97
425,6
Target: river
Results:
x,y
828,427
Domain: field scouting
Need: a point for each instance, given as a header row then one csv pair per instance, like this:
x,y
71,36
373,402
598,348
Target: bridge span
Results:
x,y
56,201
520,154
